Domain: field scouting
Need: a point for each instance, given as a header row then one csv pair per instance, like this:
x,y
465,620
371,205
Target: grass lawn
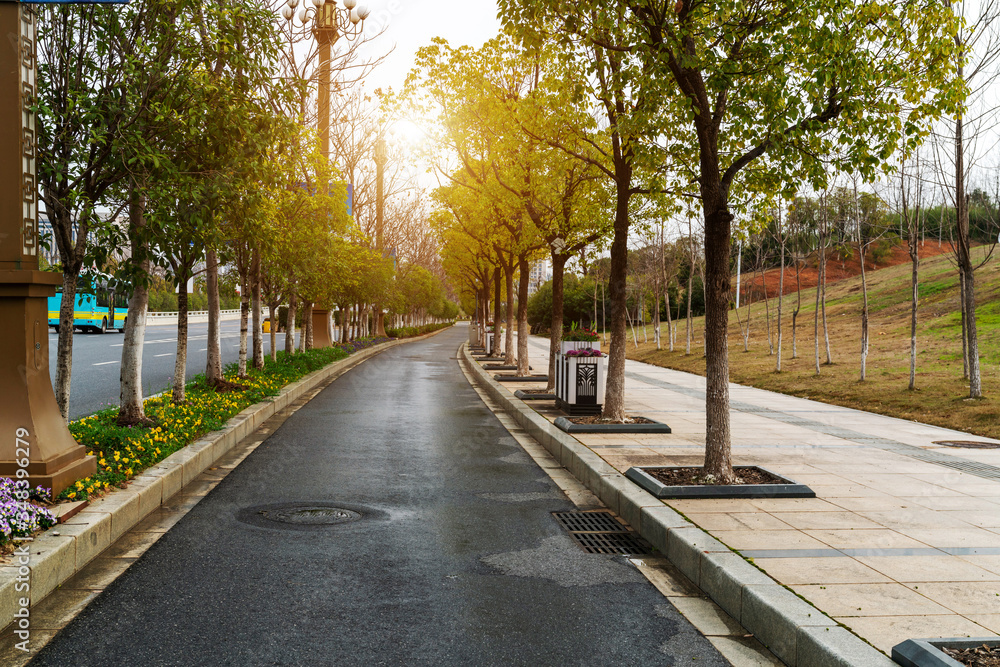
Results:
x,y
941,395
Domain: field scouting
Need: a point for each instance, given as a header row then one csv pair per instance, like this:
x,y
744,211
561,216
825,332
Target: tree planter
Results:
x,y
660,490
525,396
579,380
650,426
501,377
928,653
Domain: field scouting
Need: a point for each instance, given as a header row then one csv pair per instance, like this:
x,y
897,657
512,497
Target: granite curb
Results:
x,y
796,632
54,558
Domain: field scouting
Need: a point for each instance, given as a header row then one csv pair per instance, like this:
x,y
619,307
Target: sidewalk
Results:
x,y
903,538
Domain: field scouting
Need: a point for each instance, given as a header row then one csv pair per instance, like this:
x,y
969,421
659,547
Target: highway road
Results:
x,y
97,361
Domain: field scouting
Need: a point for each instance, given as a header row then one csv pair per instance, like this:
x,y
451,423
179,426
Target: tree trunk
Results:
x,y
781,294
508,342
258,334
180,358
305,340
272,315
290,322
614,395
496,307
826,328
914,300
718,219
864,313
64,347
522,315
556,324
213,366
798,307
131,410
244,323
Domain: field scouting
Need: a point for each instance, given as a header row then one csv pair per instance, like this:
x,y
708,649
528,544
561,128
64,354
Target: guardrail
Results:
x,y
191,313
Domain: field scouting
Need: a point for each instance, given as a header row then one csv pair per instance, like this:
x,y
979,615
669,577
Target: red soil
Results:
x,y
751,284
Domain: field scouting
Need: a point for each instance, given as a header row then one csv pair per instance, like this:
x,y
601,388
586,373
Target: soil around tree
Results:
x,y
223,386
597,419
536,391
981,656
696,477
752,285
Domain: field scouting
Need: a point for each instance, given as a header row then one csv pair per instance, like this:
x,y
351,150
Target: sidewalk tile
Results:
x,y
918,569
869,599
797,571
884,632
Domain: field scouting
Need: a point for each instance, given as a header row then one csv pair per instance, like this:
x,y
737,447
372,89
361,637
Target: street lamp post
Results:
x,y
329,23
35,444
381,157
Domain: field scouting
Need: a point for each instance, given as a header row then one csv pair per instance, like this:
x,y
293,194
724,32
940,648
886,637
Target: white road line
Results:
x,y
105,363
168,354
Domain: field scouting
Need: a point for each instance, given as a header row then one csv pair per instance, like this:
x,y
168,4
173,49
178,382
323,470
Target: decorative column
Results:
x,y
33,434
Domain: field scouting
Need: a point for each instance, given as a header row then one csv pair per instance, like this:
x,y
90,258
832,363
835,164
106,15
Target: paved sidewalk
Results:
x,y
903,538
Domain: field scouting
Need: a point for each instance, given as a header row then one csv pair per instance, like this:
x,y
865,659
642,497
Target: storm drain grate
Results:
x,y
601,533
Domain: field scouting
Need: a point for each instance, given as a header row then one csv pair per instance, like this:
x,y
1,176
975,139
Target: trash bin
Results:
x,y
266,327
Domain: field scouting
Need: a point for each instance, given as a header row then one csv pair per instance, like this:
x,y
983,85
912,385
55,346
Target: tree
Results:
x,y
776,84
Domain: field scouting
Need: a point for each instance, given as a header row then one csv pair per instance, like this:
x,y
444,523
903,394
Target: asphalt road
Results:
x,y
455,561
95,382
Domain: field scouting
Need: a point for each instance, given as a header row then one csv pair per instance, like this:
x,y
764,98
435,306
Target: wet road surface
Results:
x,y
456,559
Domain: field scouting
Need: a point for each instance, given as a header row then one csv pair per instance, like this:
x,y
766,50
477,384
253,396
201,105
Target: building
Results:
x,y
538,275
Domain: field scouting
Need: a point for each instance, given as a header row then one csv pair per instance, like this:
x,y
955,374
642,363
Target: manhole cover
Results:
x,y
601,533
310,516
967,444
297,515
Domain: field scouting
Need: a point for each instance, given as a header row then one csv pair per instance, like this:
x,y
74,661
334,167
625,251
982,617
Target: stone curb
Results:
x,y
56,558
796,632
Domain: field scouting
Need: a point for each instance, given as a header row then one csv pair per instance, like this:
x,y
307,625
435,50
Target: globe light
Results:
x,y
293,3
363,12
287,12
318,4
350,4
303,15
355,18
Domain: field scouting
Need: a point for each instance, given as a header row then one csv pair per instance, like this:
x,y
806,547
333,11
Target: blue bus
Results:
x,y
99,308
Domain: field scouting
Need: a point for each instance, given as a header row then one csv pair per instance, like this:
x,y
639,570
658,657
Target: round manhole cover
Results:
x,y
297,515
968,444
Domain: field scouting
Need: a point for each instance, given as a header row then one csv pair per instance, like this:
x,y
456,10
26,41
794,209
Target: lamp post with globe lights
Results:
x,y
329,23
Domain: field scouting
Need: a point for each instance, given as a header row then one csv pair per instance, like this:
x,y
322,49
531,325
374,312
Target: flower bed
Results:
x,y
584,352
19,517
360,344
123,452
410,332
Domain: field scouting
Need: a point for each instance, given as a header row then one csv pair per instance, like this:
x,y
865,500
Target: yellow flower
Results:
x,y
72,495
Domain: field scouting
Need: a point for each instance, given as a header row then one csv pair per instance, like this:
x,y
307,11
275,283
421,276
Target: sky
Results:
x,y
411,24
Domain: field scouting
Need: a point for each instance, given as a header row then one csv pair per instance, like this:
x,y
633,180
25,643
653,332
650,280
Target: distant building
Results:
x,y
538,275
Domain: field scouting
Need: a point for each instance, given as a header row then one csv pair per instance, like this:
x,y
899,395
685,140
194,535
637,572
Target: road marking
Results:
x,y
168,354
105,363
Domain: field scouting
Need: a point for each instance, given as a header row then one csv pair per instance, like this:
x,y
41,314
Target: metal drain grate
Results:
x,y
601,533
967,444
604,522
